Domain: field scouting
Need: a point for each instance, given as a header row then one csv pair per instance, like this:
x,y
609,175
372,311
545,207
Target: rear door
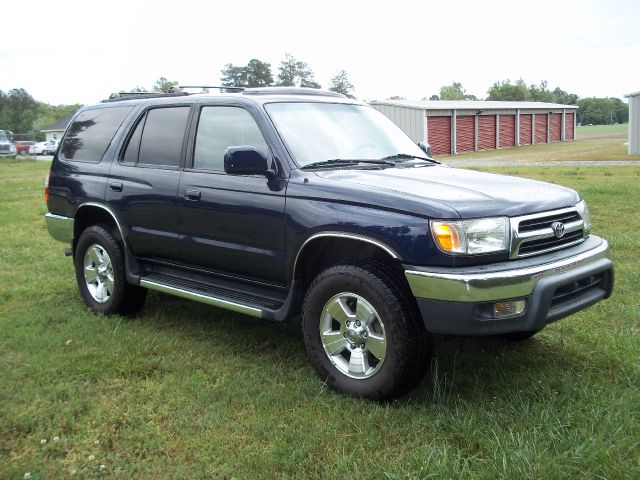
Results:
x,y
143,182
231,224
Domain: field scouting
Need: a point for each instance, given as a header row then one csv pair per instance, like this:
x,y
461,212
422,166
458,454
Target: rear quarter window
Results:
x,y
91,132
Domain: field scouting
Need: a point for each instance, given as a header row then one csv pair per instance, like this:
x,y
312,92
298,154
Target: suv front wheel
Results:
x,y
100,273
362,332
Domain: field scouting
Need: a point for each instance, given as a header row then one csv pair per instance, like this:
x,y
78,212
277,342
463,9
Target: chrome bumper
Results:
x,y
60,228
497,282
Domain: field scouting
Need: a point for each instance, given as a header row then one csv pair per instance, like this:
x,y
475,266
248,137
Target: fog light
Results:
x,y
512,308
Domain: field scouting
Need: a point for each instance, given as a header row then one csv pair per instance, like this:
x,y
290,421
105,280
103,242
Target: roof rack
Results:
x,y
120,96
178,91
291,91
207,87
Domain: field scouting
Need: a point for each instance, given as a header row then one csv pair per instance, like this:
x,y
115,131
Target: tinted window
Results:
x,y
162,137
133,147
91,132
222,127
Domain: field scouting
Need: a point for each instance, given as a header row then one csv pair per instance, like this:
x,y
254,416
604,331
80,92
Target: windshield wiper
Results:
x,y
343,162
401,156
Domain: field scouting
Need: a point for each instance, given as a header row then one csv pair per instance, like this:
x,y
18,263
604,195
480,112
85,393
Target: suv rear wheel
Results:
x,y
362,332
100,273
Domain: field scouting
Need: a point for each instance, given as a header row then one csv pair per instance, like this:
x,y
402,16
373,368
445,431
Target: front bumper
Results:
x,y
456,301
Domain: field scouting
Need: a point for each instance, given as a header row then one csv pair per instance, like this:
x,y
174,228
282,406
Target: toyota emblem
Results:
x,y
558,229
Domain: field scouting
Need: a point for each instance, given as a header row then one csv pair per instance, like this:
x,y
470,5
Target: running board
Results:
x,y
201,296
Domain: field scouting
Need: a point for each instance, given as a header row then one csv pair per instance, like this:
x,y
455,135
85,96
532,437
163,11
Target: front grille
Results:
x,y
5,148
534,246
545,222
534,234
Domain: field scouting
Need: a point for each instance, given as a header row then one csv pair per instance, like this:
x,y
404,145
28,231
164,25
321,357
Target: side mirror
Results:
x,y
245,160
426,148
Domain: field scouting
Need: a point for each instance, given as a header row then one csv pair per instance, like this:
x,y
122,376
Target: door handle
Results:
x,y
193,195
115,186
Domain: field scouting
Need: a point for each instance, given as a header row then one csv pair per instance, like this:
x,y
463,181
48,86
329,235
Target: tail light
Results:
x,y
46,187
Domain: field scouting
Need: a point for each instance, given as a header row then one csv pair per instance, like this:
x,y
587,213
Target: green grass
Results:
x,y
189,391
596,143
620,130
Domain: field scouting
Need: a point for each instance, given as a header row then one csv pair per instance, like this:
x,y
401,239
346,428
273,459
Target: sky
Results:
x,y
65,52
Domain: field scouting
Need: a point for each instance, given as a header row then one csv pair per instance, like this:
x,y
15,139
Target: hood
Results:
x,y
470,193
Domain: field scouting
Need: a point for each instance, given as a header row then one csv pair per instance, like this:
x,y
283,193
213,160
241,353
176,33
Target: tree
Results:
x,y
18,111
48,114
433,97
293,72
519,91
233,76
255,74
602,111
505,90
560,96
340,84
163,85
455,91
258,74
396,97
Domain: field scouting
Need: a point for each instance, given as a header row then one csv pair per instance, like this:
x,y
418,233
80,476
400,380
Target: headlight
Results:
x,y
12,148
583,210
471,237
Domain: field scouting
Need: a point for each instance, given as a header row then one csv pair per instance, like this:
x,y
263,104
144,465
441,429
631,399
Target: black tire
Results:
x,y
516,336
123,298
407,342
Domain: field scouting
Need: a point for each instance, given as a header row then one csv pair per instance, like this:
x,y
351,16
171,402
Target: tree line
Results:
x,y
593,110
20,113
291,73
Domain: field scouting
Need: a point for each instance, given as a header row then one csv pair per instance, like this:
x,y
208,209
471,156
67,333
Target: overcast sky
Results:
x,y
65,52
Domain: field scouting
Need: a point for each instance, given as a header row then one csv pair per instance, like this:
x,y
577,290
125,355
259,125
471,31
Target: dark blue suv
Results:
x,y
274,202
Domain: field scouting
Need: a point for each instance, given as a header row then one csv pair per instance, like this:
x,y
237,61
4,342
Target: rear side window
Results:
x,y
222,127
91,133
157,138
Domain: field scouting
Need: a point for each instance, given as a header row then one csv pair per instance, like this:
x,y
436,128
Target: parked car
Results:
x,y
43,148
276,202
7,149
23,146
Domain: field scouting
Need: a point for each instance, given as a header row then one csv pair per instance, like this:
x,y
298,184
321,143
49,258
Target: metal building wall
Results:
x,y
634,124
459,129
410,120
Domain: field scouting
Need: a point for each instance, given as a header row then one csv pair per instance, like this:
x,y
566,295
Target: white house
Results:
x,y
55,131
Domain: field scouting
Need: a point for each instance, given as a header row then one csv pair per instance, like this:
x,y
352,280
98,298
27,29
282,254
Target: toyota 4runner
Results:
x,y
274,202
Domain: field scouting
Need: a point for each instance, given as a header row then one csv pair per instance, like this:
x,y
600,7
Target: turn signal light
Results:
x,y
447,236
508,309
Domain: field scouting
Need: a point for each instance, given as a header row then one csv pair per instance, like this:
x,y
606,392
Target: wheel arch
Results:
x,y
92,213
324,249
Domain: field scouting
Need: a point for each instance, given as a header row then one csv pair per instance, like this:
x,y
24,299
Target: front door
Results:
x,y
232,224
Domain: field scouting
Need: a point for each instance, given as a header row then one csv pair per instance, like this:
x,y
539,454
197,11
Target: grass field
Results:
x,y
599,143
189,391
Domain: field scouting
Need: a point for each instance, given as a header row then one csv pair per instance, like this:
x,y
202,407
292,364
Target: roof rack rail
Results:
x,y
120,96
291,91
203,87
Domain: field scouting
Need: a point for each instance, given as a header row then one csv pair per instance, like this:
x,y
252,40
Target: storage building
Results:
x,y
634,123
452,127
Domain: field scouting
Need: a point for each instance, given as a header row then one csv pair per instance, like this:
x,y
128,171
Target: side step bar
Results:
x,y
207,298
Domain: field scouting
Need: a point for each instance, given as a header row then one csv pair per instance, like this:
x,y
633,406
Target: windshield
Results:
x,y
317,132
3,136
